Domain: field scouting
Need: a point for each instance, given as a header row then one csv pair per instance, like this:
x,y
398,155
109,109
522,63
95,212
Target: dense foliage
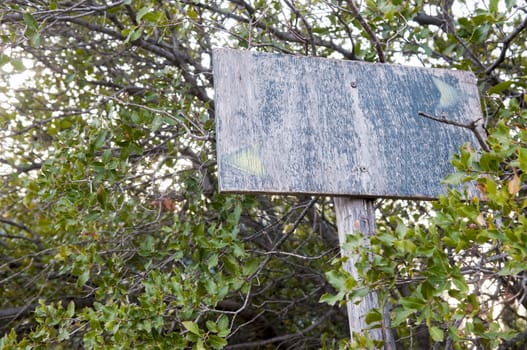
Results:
x,y
113,234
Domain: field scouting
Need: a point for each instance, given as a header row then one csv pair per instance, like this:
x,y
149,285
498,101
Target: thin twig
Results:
x,y
306,24
36,238
302,257
442,119
246,323
447,27
284,237
285,337
368,30
506,43
264,26
169,115
473,126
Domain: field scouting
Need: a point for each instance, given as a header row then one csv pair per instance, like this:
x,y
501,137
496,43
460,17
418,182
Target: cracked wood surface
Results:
x,y
290,124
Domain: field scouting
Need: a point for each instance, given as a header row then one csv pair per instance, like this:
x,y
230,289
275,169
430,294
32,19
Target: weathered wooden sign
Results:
x,y
290,124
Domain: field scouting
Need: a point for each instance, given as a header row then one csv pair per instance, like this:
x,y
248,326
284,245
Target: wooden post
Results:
x,y
353,216
298,125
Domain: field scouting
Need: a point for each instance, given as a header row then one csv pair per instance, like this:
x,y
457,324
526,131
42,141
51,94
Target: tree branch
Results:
x,y
306,24
262,25
506,43
281,338
12,313
447,27
36,238
425,20
473,126
284,237
368,30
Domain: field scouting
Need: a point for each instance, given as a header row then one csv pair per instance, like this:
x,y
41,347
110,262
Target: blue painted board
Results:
x,y
291,124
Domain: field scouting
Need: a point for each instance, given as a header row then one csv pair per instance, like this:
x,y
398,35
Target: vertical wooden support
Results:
x,y
358,215
280,130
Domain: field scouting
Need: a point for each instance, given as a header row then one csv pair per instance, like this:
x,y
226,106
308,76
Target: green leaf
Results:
x,y
512,268
136,34
100,139
489,162
522,158
152,16
412,303
373,316
18,65
401,315
4,59
493,6
405,245
147,246
510,4
437,334
156,123
502,133
336,279
212,326
223,322
454,179
498,88
332,299
143,11
35,40
71,309
231,265
460,283
212,261
251,266
30,21
83,278
358,294
192,327
192,13
217,342
211,286
481,33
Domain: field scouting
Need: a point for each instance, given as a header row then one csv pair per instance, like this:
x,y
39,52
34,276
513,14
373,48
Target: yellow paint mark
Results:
x,y
449,94
247,160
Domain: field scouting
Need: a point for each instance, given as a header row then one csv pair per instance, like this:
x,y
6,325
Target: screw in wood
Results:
x,y
353,84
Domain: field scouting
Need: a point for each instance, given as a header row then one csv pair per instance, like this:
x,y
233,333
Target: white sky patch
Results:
x,y
14,75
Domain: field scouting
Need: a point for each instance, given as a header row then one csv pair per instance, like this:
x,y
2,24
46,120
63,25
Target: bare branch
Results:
x,y
368,30
474,127
306,24
281,338
36,238
205,136
284,237
447,27
425,20
506,43
286,36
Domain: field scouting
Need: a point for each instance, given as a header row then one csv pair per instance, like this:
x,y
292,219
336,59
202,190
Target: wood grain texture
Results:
x,y
358,215
290,124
